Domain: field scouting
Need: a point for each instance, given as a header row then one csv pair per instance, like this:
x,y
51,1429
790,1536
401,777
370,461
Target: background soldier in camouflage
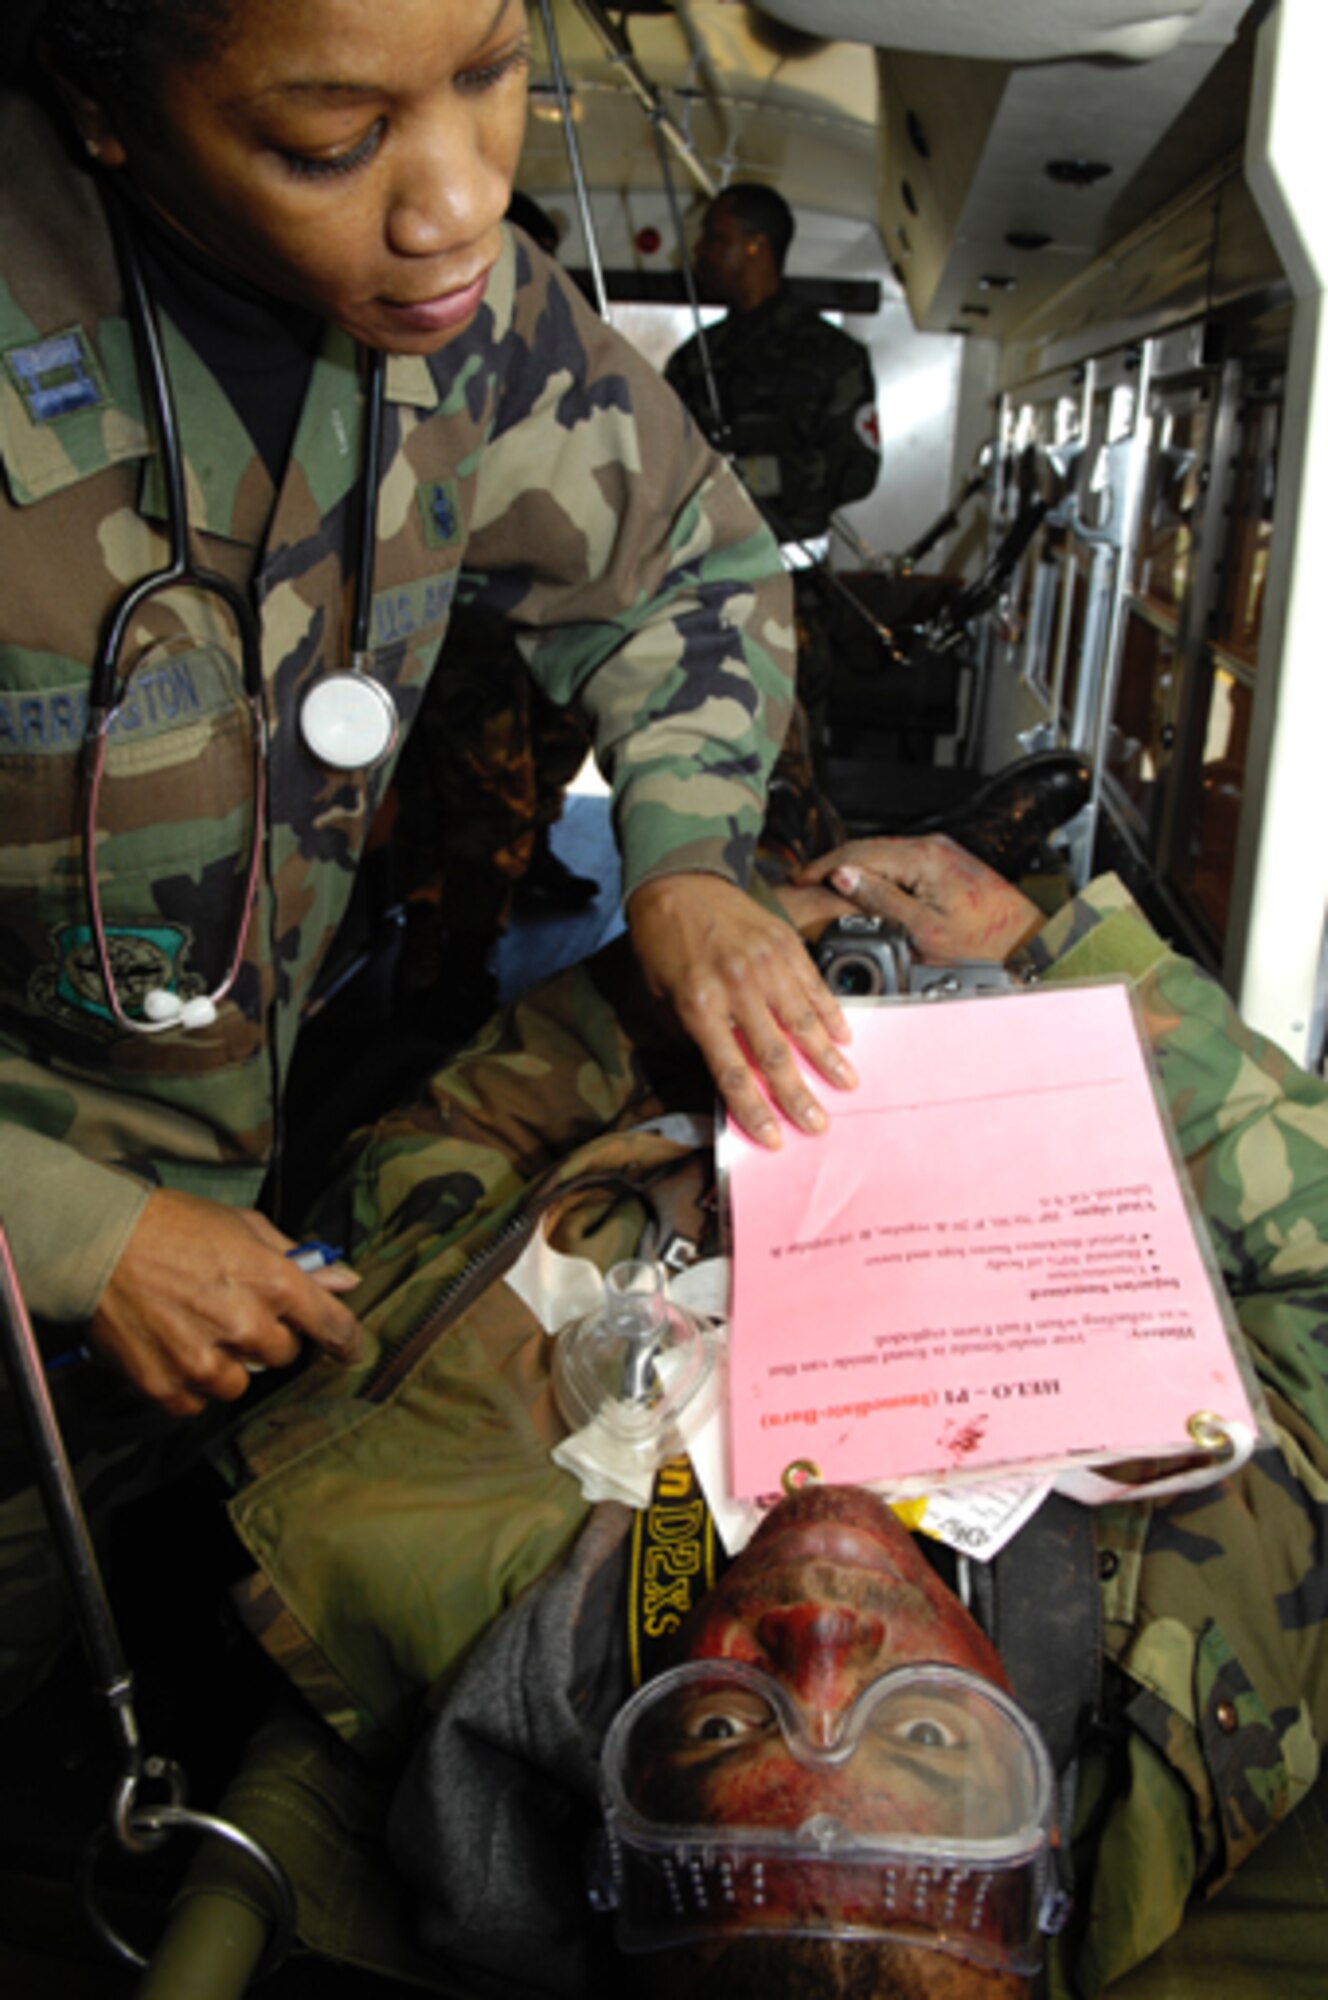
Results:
x,y
797,401
796,397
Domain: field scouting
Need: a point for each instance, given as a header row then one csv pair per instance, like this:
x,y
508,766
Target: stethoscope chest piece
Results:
x,y
349,721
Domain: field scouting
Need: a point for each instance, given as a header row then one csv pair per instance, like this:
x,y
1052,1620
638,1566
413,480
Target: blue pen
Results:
x,y
312,1255
68,1357
315,1255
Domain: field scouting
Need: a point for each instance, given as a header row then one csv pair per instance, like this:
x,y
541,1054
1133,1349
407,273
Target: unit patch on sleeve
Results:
x,y
69,987
867,424
57,376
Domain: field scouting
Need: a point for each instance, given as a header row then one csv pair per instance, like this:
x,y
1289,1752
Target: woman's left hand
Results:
x,y
745,989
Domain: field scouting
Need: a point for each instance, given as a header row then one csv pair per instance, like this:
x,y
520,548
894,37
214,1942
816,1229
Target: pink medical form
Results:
x,y
988,1264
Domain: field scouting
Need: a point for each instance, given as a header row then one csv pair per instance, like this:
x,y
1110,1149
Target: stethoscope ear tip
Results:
x,y
169,1010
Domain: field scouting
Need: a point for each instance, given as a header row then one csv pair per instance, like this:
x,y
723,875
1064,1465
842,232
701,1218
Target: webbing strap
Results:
x,y
1041,1604
676,1558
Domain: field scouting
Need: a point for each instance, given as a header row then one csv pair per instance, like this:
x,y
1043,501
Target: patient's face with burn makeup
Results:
x,y
831,1594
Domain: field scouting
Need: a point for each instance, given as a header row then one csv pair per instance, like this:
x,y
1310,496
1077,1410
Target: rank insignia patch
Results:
x,y
440,505
57,376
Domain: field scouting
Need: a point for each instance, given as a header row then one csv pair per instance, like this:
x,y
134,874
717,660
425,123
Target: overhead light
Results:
x,y
1078,173
543,103
1028,239
997,284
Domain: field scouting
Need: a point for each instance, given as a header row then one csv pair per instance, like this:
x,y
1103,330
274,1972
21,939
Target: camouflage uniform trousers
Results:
x,y
1215,1617
415,1196
482,775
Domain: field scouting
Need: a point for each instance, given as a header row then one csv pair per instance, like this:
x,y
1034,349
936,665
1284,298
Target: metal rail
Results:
x,y
620,55
574,160
137,1827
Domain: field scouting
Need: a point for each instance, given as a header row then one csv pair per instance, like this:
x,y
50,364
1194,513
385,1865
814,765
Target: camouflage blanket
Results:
x,y
1215,1693
395,1509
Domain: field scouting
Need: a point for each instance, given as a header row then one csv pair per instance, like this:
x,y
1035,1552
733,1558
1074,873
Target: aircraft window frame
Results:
x,y
1209,461
1203,869
1179,457
1041,427
1250,532
1100,548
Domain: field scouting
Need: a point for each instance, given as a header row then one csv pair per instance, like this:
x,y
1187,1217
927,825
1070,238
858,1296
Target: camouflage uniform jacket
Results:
x,y
1215,1696
799,402
535,466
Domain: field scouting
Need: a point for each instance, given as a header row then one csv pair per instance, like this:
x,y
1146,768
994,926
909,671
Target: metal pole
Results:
x,y
55,1479
622,58
870,558
667,133
720,421
210,1950
574,161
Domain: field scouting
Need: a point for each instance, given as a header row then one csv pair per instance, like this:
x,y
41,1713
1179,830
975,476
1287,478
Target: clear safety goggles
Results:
x,y
926,1814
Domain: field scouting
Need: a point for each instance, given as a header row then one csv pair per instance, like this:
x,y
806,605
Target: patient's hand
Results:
x,y
811,908
951,905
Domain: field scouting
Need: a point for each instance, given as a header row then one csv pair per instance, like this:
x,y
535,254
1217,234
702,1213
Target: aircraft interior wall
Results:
x,y
1070,251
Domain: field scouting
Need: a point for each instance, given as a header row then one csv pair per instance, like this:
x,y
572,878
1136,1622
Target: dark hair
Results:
x,y
759,209
114,45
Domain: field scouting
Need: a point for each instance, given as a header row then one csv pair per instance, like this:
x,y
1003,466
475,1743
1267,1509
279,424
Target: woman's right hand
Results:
x,y
204,1295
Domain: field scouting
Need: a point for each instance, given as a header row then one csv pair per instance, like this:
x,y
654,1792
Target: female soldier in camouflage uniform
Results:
x,y
309,182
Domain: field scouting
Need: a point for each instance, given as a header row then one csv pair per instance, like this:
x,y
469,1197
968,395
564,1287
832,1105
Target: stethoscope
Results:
x,y
347,719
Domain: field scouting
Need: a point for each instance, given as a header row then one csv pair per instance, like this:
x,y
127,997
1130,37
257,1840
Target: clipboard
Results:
x,y
992,1267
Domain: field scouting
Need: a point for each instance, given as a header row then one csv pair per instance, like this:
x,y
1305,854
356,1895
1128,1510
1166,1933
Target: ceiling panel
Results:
x,y
941,157
807,121
1017,30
